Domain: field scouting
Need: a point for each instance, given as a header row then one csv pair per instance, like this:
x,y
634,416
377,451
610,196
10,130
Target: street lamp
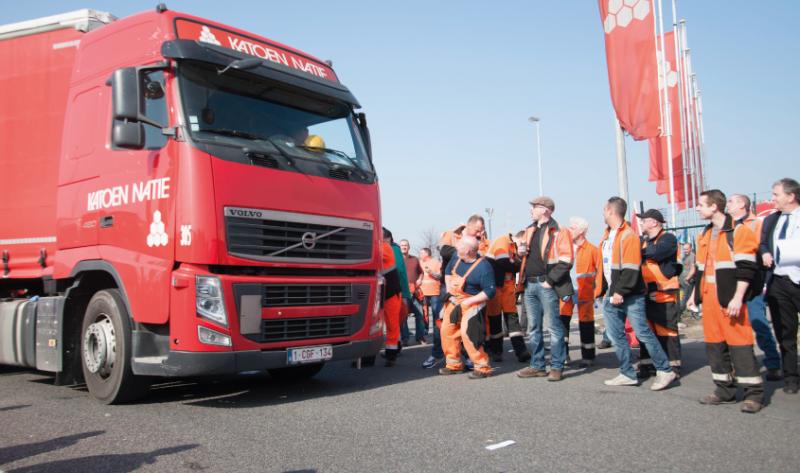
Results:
x,y
539,151
490,213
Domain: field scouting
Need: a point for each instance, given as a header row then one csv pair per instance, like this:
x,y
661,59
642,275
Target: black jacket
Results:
x,y
765,245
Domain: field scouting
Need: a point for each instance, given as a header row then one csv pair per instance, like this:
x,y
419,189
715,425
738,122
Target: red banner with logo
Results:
x,y
269,51
632,70
659,163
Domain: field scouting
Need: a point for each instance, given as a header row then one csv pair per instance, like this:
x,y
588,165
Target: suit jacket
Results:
x,y
767,230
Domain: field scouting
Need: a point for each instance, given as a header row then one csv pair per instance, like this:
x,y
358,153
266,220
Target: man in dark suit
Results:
x,y
780,252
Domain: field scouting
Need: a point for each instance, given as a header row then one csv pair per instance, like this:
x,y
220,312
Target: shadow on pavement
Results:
x,y
114,463
13,408
256,390
18,452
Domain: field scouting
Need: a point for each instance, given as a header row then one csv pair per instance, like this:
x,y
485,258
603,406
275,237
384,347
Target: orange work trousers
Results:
x,y
467,331
391,311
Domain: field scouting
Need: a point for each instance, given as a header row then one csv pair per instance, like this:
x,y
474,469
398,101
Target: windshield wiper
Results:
x,y
235,133
353,163
251,136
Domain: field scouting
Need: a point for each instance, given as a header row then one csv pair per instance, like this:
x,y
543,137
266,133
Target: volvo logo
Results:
x,y
309,240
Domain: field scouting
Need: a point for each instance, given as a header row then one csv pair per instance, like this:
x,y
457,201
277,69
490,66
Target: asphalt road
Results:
x,y
398,419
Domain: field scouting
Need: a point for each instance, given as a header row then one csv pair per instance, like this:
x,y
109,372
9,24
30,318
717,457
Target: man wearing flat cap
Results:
x,y
660,270
545,279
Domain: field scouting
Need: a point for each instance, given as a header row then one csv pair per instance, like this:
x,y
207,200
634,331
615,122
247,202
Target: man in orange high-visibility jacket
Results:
x,y
470,284
430,282
726,263
505,262
739,208
621,282
392,302
587,263
545,275
660,271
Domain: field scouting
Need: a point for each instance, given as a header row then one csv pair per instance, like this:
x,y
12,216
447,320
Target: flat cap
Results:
x,y
544,201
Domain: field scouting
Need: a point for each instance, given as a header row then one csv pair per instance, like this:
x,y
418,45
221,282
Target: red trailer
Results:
x,y
179,197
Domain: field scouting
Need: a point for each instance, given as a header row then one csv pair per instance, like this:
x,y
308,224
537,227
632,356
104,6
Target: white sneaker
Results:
x,y
621,380
663,379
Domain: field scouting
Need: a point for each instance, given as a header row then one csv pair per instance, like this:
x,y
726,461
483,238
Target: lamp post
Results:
x,y
538,151
490,213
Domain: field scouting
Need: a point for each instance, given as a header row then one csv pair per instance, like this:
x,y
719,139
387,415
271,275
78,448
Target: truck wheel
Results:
x,y
296,373
106,350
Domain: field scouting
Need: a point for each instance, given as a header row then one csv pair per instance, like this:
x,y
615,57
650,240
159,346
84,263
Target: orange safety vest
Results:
x,y
429,285
666,289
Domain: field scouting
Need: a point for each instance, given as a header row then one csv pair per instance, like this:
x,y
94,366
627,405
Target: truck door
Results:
x,y
137,235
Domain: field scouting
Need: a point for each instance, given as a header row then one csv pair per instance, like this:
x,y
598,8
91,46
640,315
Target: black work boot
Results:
x,y
518,343
391,357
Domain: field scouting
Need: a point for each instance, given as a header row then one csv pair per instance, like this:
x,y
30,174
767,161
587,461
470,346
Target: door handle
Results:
x,y
107,221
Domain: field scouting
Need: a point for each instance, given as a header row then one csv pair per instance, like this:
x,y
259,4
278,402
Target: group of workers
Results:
x,y
471,294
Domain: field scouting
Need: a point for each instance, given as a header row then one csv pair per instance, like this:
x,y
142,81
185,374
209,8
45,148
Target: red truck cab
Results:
x,y
180,198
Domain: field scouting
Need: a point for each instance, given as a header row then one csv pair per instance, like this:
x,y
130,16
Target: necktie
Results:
x,y
781,236
782,233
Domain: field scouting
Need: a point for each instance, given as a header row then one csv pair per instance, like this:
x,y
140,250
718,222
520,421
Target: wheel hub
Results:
x,y
100,346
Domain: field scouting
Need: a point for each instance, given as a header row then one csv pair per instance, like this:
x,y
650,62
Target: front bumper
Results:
x,y
184,363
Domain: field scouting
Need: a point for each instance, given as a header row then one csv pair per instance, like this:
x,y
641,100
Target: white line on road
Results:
x,y
500,445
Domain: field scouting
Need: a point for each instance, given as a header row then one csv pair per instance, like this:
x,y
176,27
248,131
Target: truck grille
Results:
x,y
285,295
312,322
288,237
279,330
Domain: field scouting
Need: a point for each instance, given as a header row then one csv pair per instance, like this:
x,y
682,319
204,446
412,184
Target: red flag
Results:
x,y
659,165
632,68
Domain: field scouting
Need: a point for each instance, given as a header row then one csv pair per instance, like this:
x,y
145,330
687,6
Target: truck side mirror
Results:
x,y
127,135
361,119
126,98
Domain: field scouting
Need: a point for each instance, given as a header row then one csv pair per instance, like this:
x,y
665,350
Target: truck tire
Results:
x,y
296,373
106,350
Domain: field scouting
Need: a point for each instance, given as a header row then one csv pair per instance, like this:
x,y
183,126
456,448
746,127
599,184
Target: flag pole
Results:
x,y
687,95
681,106
622,167
666,130
702,149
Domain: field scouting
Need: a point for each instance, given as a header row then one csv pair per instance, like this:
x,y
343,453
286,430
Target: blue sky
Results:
x,y
448,87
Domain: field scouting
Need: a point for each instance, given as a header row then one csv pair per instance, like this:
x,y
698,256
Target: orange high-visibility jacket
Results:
x,y
754,223
557,254
588,261
389,271
730,264
501,253
626,263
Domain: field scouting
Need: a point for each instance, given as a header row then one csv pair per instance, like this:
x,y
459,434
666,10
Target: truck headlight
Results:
x,y
208,295
376,327
212,337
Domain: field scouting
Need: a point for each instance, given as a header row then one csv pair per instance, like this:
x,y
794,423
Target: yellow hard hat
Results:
x,y
314,141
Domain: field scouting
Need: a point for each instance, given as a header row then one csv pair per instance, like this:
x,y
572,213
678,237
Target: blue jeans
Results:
x,y
420,329
632,308
763,330
543,302
434,306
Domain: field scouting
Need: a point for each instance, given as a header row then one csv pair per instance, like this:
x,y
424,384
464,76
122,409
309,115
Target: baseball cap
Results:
x,y
654,214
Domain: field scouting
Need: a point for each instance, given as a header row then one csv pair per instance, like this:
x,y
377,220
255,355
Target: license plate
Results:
x,y
297,356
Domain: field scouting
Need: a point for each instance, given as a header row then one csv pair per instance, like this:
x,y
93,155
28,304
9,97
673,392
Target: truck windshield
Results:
x,y
239,109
